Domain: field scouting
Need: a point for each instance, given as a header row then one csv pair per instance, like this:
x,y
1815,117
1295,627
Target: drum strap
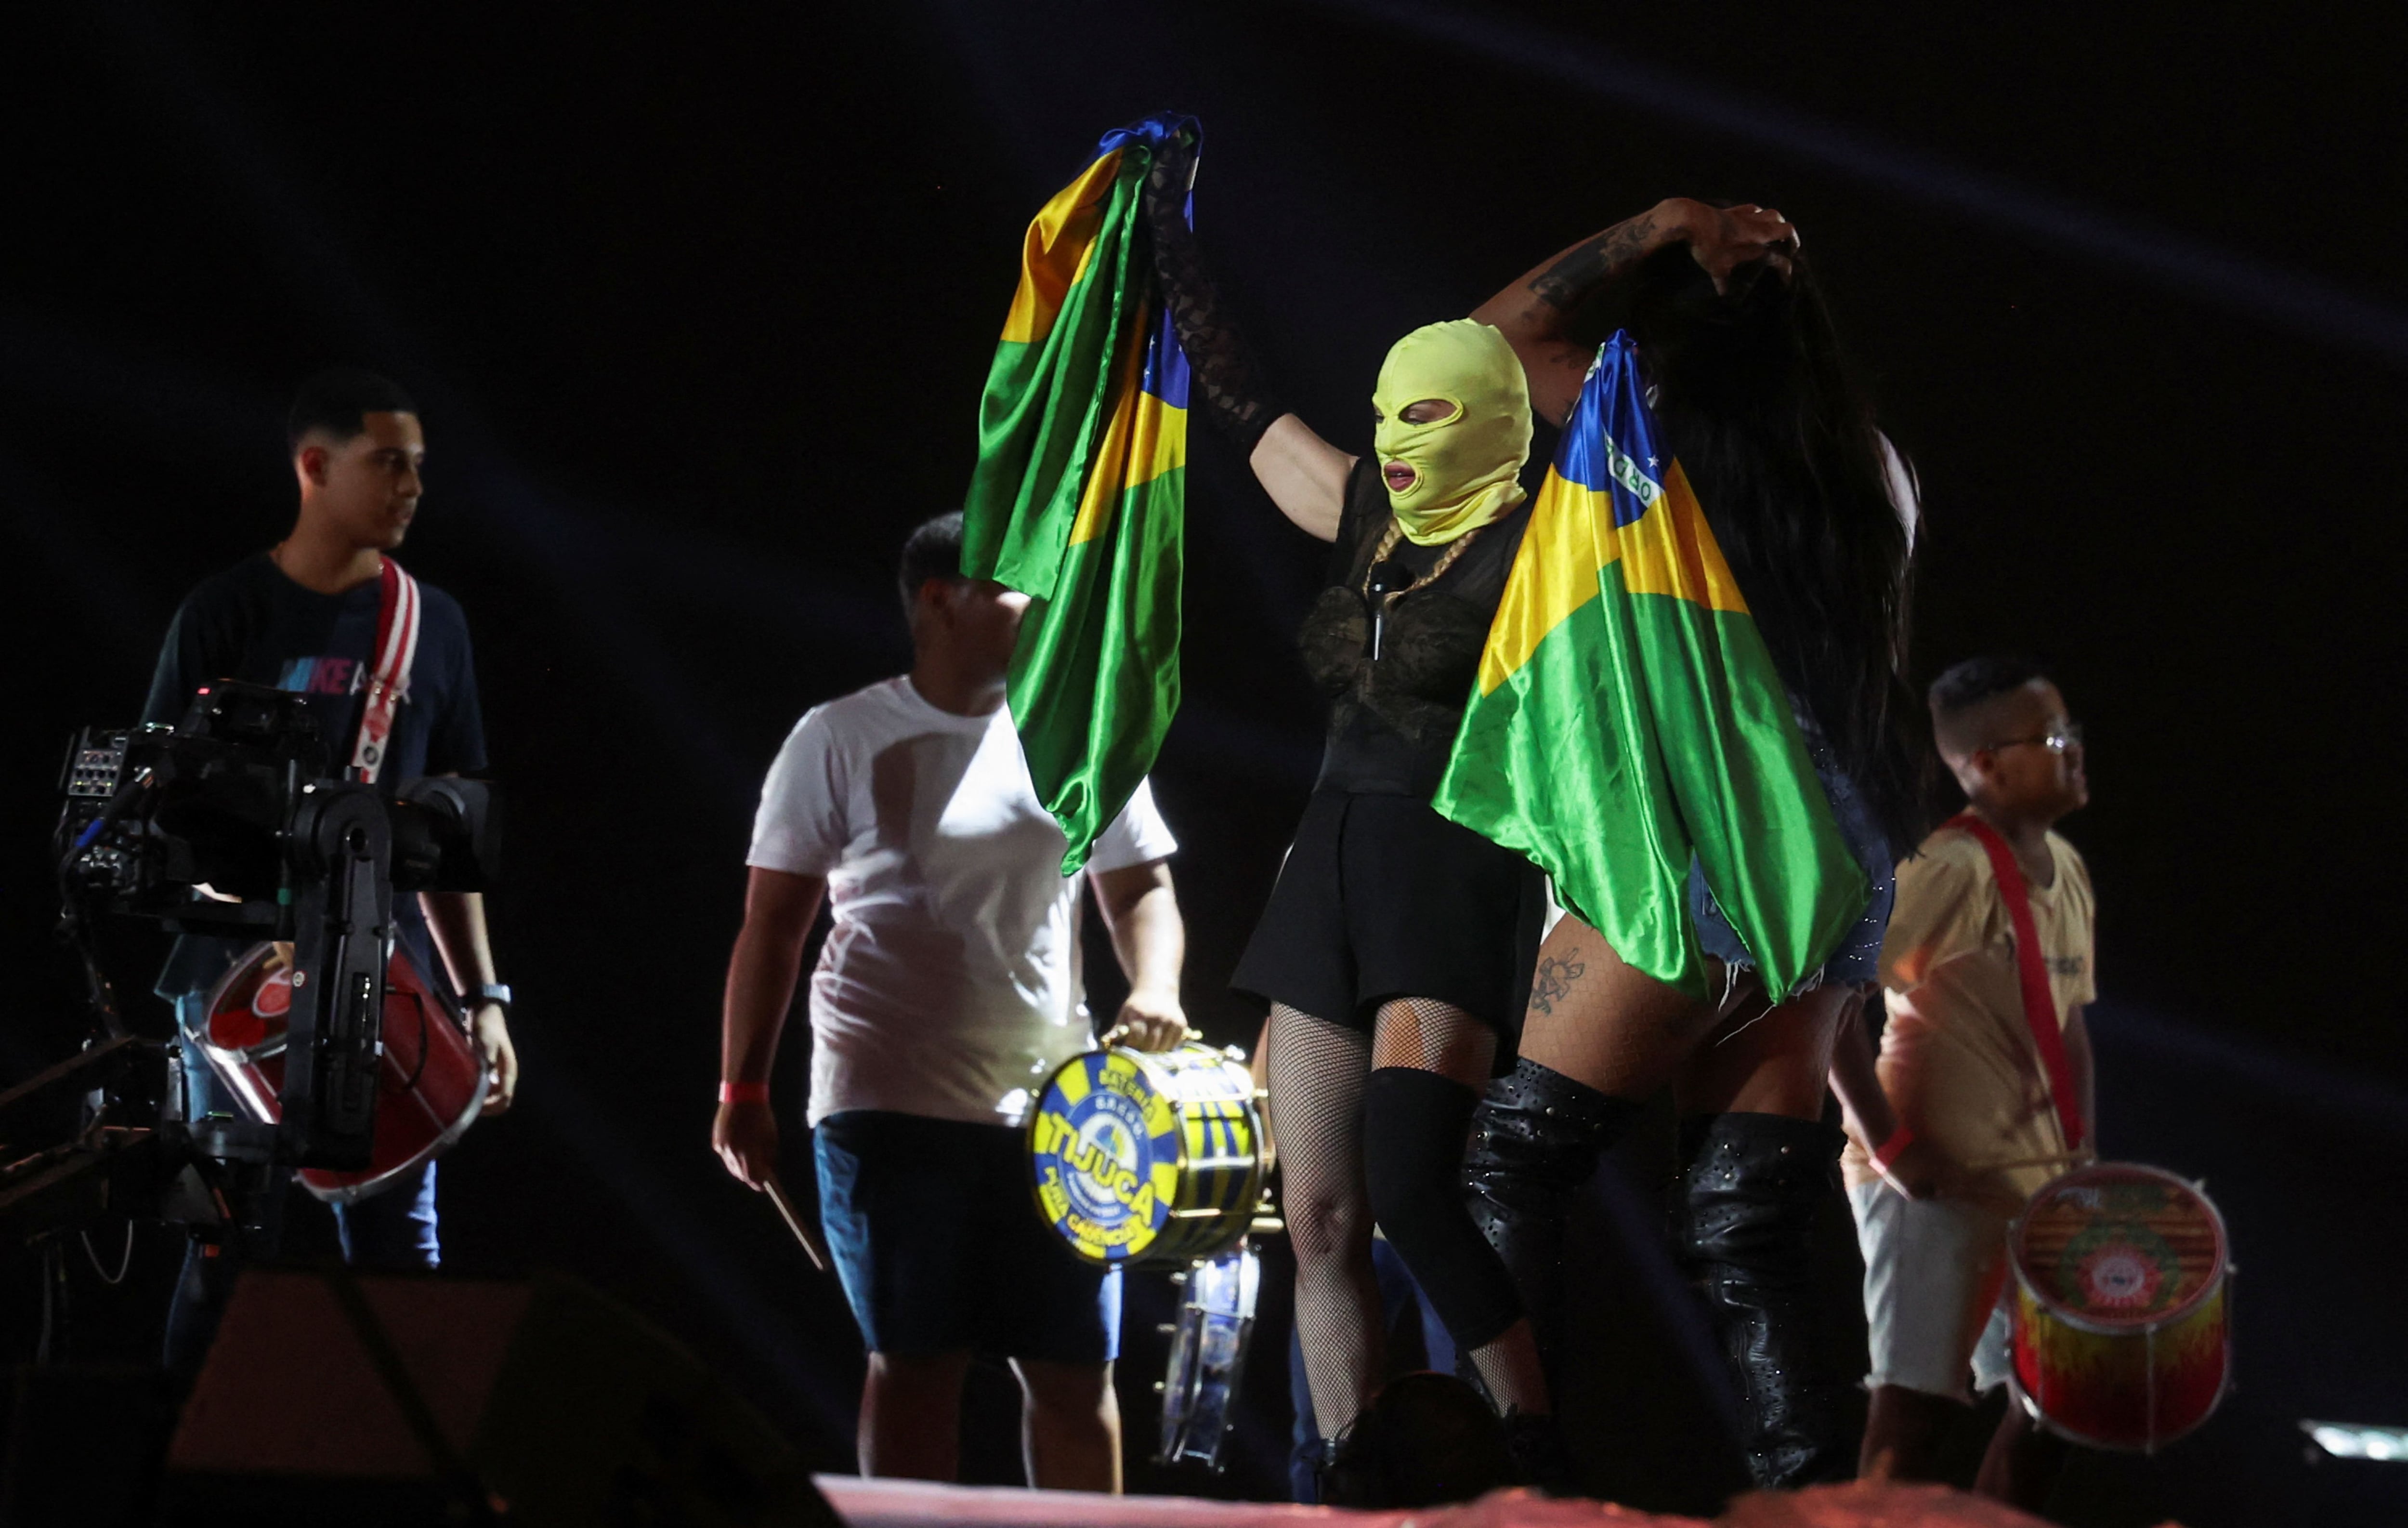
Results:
x,y
2032,965
396,646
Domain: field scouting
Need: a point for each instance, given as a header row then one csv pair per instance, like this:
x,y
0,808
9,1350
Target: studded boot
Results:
x,y
1535,1140
1752,1188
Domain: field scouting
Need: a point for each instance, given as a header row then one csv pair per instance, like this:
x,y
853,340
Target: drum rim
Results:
x,y
445,1139
2190,1305
1147,1062
352,1194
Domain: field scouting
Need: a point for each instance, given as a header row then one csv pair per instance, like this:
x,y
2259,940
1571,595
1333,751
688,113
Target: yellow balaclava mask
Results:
x,y
1464,465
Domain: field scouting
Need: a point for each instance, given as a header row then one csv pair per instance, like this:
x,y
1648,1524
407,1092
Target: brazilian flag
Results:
x,y
1627,717
1079,497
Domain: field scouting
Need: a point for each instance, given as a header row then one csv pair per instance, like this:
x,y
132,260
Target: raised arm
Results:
x,y
1533,312
1304,474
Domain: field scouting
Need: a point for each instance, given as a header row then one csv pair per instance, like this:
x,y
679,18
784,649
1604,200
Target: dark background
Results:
x,y
697,304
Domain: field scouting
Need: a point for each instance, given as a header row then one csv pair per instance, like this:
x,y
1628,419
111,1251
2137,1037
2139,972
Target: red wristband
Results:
x,y
743,1092
1900,1139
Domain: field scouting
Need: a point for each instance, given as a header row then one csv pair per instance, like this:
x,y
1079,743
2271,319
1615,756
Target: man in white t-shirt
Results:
x,y
948,989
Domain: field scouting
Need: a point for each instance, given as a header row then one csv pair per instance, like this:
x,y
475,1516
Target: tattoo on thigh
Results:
x,y
1554,980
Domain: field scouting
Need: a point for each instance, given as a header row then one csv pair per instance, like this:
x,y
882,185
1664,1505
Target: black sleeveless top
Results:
x,y
1392,723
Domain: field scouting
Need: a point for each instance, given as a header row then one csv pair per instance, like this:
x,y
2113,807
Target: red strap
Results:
x,y
396,646
1887,1153
2040,1000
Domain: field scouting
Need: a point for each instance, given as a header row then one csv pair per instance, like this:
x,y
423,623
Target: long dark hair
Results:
x,y
1763,413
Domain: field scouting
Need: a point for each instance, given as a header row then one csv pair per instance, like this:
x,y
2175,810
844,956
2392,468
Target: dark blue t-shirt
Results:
x,y
252,623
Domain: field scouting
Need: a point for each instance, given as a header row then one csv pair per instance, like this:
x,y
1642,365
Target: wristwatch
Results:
x,y
490,992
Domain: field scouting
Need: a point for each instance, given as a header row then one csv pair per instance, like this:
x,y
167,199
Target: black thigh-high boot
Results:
x,y
1752,1184
1535,1140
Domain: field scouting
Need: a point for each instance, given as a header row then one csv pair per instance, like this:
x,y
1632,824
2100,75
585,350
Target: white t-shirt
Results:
x,y
951,984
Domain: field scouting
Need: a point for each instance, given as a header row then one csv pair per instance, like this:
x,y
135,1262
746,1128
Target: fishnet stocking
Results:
x,y
1434,1036
1316,1085
1510,1373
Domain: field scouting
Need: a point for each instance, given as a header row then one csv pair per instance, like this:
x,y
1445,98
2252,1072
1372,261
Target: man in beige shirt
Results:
x,y
1956,1126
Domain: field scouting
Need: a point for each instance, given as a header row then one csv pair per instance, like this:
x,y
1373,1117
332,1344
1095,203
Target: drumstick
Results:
x,y
803,1233
2055,1159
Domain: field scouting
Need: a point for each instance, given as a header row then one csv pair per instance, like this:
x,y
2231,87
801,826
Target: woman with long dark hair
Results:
x,y
1396,950
1813,513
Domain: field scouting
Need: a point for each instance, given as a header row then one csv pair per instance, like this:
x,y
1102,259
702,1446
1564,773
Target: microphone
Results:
x,y
1388,579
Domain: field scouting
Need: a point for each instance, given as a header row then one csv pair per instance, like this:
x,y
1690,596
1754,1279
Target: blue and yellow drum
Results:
x,y
1141,1157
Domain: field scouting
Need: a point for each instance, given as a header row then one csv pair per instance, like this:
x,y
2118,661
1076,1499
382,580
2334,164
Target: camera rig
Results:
x,y
230,825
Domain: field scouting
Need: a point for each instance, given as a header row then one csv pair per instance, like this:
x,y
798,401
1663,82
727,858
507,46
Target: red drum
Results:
x,y
430,1081
2122,1328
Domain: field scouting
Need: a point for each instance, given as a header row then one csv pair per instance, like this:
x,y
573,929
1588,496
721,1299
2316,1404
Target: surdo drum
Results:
x,y
1140,1158
430,1080
2122,1333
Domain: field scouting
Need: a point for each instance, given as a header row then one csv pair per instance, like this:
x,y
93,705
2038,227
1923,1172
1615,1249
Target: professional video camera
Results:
x,y
231,824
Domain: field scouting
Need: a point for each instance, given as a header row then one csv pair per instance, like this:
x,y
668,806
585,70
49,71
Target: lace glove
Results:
x,y
1224,370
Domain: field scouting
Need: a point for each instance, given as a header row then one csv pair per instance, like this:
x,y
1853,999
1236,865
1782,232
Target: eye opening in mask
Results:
x,y
1430,411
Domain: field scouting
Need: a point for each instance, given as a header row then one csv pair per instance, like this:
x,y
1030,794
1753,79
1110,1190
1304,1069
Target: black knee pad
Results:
x,y
1415,1125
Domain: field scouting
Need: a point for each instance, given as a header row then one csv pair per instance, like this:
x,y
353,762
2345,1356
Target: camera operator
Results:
x,y
304,616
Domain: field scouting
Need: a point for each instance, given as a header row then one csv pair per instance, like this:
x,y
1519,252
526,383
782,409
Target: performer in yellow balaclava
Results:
x,y
1397,948
1454,470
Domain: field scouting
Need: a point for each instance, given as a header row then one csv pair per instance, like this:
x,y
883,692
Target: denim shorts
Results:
x,y
933,1228
1858,959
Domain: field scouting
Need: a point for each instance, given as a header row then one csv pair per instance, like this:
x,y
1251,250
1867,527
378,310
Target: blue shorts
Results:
x,y
1858,957
933,1224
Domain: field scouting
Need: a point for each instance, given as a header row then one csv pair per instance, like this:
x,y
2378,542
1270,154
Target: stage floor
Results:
x,y
913,1504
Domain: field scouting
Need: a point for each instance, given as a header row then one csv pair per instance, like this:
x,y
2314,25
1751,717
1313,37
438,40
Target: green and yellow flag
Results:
x,y
1079,497
1627,717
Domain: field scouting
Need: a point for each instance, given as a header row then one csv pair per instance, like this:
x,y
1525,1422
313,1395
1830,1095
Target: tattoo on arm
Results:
x,y
1554,980
1590,264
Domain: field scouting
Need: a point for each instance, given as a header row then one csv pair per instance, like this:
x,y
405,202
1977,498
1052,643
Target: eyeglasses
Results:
x,y
2064,739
